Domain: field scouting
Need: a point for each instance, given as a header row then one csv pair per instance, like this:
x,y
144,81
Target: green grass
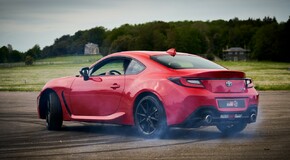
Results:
x,y
33,78
18,77
266,75
70,59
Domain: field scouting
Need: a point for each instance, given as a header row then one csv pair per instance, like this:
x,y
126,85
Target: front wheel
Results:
x,y
229,129
150,118
54,112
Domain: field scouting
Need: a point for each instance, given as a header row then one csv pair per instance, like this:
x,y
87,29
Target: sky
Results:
x,y
24,23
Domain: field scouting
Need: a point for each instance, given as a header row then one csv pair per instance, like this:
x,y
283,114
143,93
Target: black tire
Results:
x,y
54,112
150,118
229,129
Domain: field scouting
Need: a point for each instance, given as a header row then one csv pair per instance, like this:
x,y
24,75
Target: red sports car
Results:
x,y
152,91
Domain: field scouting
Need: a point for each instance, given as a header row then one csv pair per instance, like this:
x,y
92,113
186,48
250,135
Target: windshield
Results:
x,y
185,62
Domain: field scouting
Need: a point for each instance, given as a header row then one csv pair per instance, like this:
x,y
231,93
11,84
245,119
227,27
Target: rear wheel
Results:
x,y
150,118
229,129
54,112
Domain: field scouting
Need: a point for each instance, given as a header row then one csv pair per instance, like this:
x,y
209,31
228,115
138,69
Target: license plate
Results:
x,y
230,116
237,103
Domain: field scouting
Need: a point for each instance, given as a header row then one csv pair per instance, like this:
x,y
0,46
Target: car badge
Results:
x,y
229,83
236,104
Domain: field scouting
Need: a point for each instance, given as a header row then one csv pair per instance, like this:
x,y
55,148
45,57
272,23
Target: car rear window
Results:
x,y
185,62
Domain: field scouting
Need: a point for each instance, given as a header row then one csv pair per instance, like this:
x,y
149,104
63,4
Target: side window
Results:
x,y
111,67
134,67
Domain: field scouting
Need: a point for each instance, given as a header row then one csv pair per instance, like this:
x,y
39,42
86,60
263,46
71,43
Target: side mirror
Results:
x,y
85,73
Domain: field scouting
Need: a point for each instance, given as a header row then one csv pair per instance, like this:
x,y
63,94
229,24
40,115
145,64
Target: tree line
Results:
x,y
8,54
265,38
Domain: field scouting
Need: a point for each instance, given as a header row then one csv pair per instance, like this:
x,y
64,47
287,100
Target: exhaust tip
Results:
x,y
253,117
208,119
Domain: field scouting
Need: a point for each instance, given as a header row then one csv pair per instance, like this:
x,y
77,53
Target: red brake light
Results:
x,y
171,51
249,83
187,82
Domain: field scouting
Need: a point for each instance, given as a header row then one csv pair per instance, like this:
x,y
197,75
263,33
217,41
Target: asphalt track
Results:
x,y
24,136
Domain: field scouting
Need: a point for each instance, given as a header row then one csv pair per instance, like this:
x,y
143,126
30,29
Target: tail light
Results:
x,y
187,82
249,83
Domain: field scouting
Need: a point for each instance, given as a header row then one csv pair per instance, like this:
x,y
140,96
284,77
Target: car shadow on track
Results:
x,y
205,133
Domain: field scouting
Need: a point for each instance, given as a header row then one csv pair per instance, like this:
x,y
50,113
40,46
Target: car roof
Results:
x,y
142,56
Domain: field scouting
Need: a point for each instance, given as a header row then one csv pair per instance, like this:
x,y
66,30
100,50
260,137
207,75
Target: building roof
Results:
x,y
236,49
91,45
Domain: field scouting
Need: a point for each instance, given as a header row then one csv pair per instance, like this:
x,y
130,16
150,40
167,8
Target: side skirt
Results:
x,y
98,118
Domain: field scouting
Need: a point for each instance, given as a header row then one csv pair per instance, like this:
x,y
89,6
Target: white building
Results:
x,y
91,48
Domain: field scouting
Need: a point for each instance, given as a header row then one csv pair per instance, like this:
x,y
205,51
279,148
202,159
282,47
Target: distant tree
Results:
x,y
15,56
190,40
10,48
29,60
283,45
159,41
34,52
62,46
122,43
97,35
217,35
210,57
266,43
46,52
4,53
7,55
171,37
269,20
144,39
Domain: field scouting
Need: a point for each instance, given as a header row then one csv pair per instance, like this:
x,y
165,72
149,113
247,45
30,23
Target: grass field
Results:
x,y
266,75
18,77
33,78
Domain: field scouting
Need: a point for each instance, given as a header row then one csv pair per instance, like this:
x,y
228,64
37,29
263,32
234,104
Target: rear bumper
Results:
x,y
210,116
187,102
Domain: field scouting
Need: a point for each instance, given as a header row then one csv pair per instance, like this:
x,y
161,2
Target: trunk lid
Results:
x,y
225,85
220,81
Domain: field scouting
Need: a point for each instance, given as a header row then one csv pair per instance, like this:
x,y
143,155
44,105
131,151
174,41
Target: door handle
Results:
x,y
115,86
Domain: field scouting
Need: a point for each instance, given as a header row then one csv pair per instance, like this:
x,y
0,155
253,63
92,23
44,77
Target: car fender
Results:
x,y
60,86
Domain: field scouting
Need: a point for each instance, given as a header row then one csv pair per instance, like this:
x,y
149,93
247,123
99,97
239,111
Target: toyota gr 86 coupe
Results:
x,y
152,91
